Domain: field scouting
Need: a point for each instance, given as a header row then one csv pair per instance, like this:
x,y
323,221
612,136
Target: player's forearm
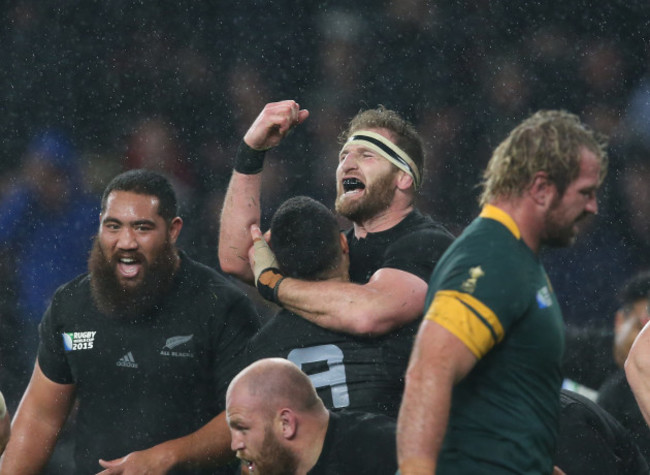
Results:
x,y
422,422
340,306
207,447
363,310
30,446
241,209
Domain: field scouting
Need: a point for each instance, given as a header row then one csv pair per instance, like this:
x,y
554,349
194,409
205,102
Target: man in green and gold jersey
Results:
x,y
482,388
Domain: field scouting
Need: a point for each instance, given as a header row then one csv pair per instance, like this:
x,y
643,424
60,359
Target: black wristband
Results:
x,y
247,160
268,282
276,299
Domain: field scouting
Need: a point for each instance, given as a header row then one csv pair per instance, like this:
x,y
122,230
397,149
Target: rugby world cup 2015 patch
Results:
x,y
73,341
544,299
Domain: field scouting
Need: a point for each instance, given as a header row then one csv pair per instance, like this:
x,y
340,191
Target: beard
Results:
x,y
562,238
274,458
559,235
130,302
377,197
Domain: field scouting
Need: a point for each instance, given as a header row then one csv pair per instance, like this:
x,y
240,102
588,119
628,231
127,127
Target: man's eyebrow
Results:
x,y
143,221
236,423
360,147
137,222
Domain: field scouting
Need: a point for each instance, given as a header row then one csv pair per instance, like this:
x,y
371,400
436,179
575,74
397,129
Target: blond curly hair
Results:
x,y
549,141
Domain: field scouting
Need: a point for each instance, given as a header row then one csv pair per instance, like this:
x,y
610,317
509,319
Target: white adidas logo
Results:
x,y
127,361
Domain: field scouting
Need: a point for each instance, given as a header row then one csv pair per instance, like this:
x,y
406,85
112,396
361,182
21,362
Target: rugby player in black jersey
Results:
x,y
393,248
145,342
279,425
348,371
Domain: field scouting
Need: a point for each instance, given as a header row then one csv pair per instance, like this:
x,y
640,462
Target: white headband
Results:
x,y
387,149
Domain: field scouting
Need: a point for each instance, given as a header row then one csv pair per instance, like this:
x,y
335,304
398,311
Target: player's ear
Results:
x,y
541,189
404,180
175,229
345,247
288,422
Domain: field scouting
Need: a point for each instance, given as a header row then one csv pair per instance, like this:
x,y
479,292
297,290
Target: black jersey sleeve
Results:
x,y
592,441
418,252
51,353
238,326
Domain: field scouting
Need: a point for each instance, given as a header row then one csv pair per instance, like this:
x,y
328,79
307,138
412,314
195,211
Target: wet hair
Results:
x,y
636,288
146,182
549,141
305,238
405,136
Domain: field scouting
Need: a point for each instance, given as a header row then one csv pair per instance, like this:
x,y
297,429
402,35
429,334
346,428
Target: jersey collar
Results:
x,y
497,214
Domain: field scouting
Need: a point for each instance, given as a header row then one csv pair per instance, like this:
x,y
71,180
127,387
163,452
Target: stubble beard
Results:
x,y
378,197
115,300
275,459
558,236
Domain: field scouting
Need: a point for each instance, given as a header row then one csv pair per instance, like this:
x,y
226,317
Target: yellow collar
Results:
x,y
497,214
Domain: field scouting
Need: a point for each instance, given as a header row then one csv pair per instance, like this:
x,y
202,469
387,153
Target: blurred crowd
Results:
x,y
93,88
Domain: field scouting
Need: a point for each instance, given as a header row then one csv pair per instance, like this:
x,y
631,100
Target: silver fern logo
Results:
x,y
172,343
175,341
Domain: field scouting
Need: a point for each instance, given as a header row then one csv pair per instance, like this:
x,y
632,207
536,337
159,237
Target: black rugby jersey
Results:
x,y
358,443
141,382
414,245
351,372
348,372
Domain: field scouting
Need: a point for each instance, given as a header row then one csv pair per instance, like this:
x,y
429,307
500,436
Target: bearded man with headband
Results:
x,y
393,248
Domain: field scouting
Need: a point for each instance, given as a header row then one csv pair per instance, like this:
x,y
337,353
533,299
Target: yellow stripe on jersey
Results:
x,y
497,214
467,318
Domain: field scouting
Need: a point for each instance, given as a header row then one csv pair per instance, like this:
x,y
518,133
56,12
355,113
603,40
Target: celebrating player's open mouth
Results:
x,y
128,267
352,185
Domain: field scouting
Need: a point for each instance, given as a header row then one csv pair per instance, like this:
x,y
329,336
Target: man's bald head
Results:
x,y
276,382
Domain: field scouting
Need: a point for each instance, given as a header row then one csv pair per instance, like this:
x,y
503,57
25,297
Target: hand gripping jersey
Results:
x,y
491,291
141,382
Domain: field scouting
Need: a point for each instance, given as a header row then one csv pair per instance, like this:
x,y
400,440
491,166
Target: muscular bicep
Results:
x,y
36,425
46,400
446,355
390,299
398,298
241,209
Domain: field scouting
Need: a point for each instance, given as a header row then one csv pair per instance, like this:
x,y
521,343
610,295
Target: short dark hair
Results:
x,y
146,182
305,238
636,288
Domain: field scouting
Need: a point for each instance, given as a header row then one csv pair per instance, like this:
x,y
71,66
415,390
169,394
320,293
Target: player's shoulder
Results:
x,y
197,274
423,229
493,240
358,432
418,222
74,288
487,248
364,422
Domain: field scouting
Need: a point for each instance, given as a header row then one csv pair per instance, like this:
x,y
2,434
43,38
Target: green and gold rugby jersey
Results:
x,y
492,292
